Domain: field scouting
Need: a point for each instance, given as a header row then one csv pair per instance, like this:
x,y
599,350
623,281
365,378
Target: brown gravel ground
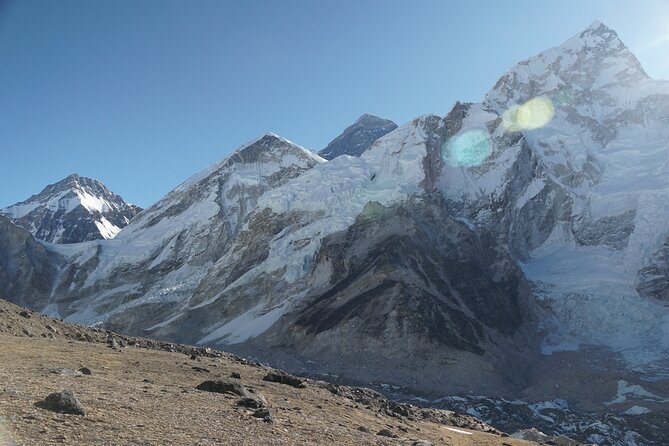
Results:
x,y
147,396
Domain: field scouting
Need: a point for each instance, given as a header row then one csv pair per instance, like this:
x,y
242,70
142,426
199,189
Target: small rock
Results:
x,y
85,371
200,369
65,372
285,378
235,375
252,403
334,389
25,314
63,402
531,434
265,414
221,386
422,443
386,433
395,409
364,429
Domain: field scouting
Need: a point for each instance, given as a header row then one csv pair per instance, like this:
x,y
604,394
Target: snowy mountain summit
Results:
x,y
73,210
358,137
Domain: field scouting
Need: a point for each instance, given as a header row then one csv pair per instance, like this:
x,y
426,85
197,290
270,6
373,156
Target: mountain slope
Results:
x,y
161,258
140,391
411,296
73,210
358,137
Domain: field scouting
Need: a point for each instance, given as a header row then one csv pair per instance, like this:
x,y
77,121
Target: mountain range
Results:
x,y
515,248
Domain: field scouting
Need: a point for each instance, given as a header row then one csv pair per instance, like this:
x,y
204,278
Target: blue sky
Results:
x,y
143,94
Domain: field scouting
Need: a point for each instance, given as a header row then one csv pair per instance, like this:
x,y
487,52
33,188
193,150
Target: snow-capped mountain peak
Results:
x,y
72,210
269,147
596,172
262,149
194,224
591,60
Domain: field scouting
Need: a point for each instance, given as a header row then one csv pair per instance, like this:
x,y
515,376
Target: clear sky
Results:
x,y
143,94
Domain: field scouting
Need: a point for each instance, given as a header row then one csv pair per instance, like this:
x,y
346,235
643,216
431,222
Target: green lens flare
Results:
x,y
467,148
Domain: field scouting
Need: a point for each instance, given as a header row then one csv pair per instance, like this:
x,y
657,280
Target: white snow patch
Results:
x,y
106,228
634,391
530,192
459,431
246,326
637,410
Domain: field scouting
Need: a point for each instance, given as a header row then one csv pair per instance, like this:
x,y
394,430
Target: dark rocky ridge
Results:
x,y
420,294
27,269
358,137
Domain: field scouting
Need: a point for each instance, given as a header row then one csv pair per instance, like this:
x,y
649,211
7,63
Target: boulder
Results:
x,y
63,402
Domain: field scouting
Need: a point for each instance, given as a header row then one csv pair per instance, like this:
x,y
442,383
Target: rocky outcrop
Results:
x,y
28,271
654,278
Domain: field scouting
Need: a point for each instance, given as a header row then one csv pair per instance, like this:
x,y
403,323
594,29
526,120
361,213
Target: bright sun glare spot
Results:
x,y
469,147
531,115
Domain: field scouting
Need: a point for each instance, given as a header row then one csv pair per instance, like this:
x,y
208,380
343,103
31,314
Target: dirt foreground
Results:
x,y
146,396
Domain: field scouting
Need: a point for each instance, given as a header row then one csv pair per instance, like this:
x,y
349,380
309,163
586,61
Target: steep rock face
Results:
x,y
75,209
27,270
413,296
358,137
654,278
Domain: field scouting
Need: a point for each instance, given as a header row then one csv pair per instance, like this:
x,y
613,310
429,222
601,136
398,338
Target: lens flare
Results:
x,y
467,148
531,115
